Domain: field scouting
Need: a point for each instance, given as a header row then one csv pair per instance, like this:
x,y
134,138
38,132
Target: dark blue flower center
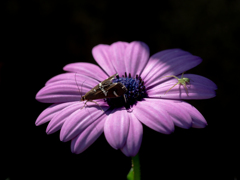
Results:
x,y
135,91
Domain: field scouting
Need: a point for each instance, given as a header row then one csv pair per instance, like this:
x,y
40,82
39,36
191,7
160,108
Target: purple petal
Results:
x,y
89,135
86,69
136,57
152,114
77,79
179,115
81,119
116,127
56,123
160,58
198,121
134,138
183,114
102,55
62,91
196,79
198,88
50,112
117,51
168,62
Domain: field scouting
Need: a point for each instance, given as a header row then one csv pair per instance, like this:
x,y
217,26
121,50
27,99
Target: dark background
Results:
x,y
41,36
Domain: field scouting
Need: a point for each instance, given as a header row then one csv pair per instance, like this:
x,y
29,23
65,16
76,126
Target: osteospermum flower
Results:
x,y
145,102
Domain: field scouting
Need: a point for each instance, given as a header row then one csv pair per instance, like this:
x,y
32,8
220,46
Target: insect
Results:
x,y
105,89
183,81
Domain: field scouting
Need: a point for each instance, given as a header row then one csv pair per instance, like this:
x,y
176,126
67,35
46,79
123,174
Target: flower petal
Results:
x,y
81,119
179,115
136,57
198,121
196,79
168,62
152,114
102,55
183,114
77,79
56,123
158,59
86,69
198,88
117,51
50,112
89,135
134,138
59,93
116,127
62,91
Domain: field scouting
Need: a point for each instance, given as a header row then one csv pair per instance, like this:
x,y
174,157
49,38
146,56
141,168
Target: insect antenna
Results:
x,y
78,86
82,96
79,89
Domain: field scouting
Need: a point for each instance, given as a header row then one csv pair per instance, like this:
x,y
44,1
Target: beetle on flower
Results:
x,y
145,101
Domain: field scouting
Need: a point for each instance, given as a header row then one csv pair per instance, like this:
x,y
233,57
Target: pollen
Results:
x,y
136,91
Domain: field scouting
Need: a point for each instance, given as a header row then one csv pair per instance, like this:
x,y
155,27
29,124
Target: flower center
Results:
x,y
135,91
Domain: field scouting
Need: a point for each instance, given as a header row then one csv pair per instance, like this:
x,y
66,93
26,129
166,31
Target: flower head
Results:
x,y
147,80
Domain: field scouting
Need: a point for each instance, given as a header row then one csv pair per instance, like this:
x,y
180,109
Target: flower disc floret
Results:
x,y
136,91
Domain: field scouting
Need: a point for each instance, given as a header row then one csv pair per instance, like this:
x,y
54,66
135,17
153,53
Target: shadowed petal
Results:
x,y
196,79
117,51
86,69
176,109
89,135
134,138
160,58
77,79
116,127
183,114
152,114
56,123
179,115
168,62
198,88
50,112
81,119
102,55
136,57
198,121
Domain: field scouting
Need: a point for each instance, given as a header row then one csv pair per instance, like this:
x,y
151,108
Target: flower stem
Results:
x,y
134,173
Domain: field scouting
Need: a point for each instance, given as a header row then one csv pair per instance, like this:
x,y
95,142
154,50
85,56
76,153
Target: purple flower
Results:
x,y
146,100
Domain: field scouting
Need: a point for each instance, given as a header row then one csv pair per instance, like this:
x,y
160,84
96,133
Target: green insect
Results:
x,y
183,81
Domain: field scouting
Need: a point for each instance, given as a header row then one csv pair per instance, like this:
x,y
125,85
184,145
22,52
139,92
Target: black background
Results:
x,y
39,37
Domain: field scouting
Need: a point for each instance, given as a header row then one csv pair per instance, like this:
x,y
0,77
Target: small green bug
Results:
x,y
183,81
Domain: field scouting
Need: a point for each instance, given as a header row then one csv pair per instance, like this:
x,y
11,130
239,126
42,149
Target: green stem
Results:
x,y
134,173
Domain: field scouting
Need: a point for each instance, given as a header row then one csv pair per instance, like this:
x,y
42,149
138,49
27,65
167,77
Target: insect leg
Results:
x,y
170,76
172,87
182,75
97,104
93,102
115,94
125,99
84,104
185,88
